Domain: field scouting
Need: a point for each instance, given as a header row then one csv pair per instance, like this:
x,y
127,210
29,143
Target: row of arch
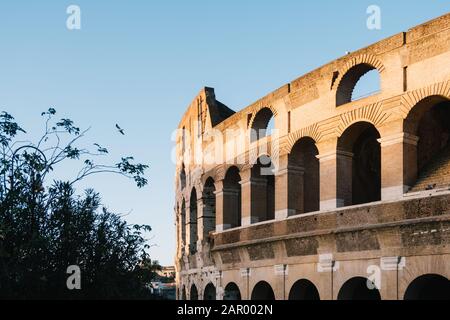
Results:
x,y
425,287
189,224
358,172
358,81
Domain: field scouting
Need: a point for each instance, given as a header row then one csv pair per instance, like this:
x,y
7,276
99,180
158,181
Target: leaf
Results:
x,y
68,125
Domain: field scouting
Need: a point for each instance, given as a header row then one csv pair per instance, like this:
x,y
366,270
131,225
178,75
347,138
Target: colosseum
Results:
x,y
344,198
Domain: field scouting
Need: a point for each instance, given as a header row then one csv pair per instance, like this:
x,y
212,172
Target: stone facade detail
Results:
x,y
345,199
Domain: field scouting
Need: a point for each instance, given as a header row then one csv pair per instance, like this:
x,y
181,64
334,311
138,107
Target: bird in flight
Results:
x,y
120,129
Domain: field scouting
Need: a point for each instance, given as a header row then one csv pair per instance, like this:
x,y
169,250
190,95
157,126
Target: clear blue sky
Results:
x,y
140,63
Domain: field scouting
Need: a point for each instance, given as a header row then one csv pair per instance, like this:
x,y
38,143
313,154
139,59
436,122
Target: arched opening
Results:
x,y
369,85
209,207
194,293
262,291
262,190
359,165
303,176
429,120
183,223
359,288
210,292
270,127
429,287
183,177
232,292
193,235
183,293
304,290
232,199
263,124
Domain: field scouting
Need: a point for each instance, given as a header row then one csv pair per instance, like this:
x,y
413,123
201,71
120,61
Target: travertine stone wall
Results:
x,y
414,74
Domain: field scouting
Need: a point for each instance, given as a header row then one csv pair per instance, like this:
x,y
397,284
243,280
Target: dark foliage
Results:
x,y
44,229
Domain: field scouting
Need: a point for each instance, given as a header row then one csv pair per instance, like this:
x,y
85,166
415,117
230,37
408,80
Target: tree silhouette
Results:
x,y
45,227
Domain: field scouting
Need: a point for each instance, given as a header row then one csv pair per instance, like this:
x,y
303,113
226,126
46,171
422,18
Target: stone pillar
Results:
x,y
335,179
288,189
180,241
282,190
398,164
200,292
220,200
246,205
187,231
200,220
219,293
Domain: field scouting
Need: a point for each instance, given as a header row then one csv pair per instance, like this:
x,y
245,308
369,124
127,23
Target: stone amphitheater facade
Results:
x,y
356,204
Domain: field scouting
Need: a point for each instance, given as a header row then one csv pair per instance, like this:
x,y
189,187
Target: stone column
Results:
x,y
187,233
335,179
219,293
398,164
246,205
200,220
288,189
220,221
282,188
180,242
182,229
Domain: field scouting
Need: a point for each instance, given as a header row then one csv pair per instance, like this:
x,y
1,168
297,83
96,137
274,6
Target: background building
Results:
x,y
167,272
164,286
